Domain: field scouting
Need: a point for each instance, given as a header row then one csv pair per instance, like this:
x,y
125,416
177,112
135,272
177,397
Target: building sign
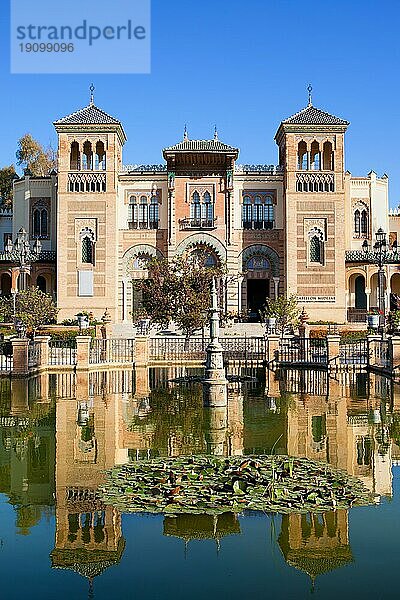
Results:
x,y
316,298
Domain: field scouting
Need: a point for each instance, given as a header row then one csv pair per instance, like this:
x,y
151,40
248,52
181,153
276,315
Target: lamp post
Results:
x,y
21,253
380,251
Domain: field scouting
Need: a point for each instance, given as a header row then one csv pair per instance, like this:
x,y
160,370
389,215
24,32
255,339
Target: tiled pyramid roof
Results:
x,y
90,115
314,116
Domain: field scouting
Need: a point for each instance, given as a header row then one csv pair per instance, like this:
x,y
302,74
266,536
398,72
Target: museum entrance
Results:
x,y
257,293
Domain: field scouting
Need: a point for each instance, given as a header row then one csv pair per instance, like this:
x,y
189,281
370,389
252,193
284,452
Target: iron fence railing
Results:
x,y
6,357
33,354
112,351
176,348
62,352
381,354
354,353
303,350
235,348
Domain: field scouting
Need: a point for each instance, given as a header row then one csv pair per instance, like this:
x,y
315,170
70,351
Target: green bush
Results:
x,y
70,335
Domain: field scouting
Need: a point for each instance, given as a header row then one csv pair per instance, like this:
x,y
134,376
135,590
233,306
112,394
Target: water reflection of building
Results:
x,y
27,451
102,419
345,424
202,527
88,533
316,543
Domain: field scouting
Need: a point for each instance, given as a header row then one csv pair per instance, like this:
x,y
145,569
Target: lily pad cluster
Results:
x,y
214,485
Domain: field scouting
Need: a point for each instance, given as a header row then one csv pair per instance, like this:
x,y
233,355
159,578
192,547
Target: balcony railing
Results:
x,y
356,315
391,256
143,224
258,224
315,182
194,223
87,182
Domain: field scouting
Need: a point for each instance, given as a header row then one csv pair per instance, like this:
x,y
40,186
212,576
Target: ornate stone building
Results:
x,y
293,228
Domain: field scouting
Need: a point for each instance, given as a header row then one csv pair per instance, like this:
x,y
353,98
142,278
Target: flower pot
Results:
x,y
270,323
373,321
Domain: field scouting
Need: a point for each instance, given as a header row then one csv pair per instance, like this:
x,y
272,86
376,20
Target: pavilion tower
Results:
x,y
89,158
311,151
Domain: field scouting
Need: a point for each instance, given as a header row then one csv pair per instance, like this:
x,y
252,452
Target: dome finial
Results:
x,y
91,88
185,133
309,89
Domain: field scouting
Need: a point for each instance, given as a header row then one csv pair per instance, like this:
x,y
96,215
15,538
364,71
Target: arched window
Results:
x,y
208,210
268,213
153,213
195,209
87,250
100,157
257,211
143,213
315,157
302,158
357,222
327,158
132,213
75,157
40,223
364,222
87,157
315,250
247,212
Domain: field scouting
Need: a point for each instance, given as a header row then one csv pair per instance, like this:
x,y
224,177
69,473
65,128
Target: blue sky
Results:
x,y
242,65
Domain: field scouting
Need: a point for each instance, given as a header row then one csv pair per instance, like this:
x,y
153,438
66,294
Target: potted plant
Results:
x,y
373,319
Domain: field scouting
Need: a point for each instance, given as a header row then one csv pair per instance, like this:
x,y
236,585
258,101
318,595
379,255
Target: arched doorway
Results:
x,y
257,285
135,262
41,283
395,291
260,265
5,283
360,297
374,299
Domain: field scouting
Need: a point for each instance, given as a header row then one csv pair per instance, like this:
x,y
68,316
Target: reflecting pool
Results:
x,y
59,432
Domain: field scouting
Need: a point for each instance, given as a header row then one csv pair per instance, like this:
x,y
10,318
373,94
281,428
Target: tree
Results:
x,y
284,309
33,307
179,291
7,175
31,155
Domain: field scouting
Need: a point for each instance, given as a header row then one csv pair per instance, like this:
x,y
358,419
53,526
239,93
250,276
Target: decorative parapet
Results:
x,y
86,182
5,211
394,212
315,182
144,168
187,223
270,169
360,256
44,256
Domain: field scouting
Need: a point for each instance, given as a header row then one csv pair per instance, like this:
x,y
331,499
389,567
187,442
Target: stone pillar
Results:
x,y
43,340
82,351
276,286
272,347
368,294
333,341
19,397
141,351
372,341
20,357
142,384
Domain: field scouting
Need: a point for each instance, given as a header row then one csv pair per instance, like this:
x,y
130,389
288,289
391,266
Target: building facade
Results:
x,y
298,227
